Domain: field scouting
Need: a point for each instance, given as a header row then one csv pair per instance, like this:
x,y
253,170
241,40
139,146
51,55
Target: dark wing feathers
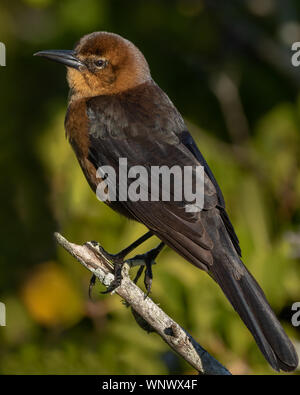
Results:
x,y
124,128
189,142
144,127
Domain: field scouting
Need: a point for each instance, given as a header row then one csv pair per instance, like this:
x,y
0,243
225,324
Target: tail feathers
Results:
x,y
243,292
249,301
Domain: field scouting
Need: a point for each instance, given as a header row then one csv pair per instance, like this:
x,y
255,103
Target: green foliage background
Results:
x,y
226,66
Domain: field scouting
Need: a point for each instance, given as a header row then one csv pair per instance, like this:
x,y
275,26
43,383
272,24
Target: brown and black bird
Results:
x,y
115,111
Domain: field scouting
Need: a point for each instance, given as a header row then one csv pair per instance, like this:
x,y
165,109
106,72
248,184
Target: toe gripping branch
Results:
x,y
145,261
118,260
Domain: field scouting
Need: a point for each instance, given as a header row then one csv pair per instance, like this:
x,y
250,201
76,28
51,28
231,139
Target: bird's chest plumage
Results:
x,y
77,132
90,153
77,127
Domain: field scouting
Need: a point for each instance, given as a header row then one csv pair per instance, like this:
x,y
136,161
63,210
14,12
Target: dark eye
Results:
x,y
100,63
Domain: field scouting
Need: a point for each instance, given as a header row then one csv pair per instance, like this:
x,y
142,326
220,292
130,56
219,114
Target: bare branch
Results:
x,y
172,333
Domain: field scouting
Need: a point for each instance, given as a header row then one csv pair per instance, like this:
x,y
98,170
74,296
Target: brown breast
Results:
x,y
77,132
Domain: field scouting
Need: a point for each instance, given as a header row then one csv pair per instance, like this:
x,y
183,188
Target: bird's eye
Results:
x,y
100,63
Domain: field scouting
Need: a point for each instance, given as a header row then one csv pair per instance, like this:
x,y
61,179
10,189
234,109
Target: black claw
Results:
x,y
92,284
114,285
148,284
118,278
148,276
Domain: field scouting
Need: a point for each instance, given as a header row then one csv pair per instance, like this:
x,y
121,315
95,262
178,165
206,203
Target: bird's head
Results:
x,y
102,64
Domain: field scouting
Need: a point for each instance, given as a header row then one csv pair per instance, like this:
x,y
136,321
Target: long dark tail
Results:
x,y
243,292
249,301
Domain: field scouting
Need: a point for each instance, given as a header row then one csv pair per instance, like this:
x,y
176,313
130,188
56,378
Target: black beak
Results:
x,y
65,57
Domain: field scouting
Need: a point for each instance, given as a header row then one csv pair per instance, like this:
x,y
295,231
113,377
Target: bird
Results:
x,y
116,110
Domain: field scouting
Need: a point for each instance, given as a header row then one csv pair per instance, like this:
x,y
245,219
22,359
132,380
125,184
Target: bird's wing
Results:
x,y
144,127
150,133
189,142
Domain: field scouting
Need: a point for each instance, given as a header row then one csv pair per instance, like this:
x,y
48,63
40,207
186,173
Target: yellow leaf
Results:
x,y
51,298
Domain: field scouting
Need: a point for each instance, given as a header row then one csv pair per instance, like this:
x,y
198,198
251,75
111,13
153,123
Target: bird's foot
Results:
x,y
145,261
114,261
118,266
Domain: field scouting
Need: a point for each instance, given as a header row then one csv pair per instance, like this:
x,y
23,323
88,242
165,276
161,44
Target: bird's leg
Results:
x,y
91,285
116,259
146,260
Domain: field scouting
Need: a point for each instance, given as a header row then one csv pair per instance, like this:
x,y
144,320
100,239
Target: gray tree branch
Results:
x,y
172,333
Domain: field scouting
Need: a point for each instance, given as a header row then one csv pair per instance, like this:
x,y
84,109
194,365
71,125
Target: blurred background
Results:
x,y
227,67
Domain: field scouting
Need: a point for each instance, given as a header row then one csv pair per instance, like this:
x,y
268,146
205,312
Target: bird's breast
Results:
x,y
77,132
77,127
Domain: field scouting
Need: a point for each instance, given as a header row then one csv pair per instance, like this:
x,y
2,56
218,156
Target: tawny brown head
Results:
x,y
101,64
